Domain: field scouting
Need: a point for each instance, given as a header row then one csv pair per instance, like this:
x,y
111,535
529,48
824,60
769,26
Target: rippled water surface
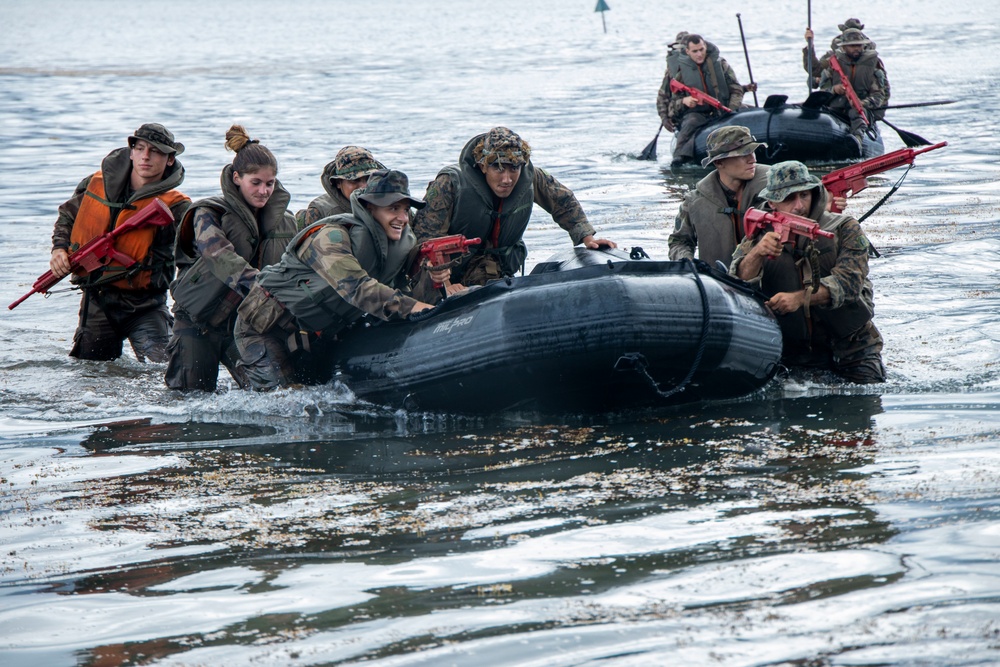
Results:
x,y
811,524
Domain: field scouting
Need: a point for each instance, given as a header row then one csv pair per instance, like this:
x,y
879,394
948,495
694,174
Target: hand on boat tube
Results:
x,y
592,243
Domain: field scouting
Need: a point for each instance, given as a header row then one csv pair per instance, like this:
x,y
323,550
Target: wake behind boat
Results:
x,y
585,330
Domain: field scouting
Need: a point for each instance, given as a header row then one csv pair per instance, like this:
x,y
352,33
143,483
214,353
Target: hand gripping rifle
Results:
x,y
854,178
785,224
702,98
438,253
100,251
849,90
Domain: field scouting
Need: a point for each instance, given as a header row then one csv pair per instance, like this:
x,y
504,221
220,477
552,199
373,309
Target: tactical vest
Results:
x,y
718,228
474,213
860,73
313,302
95,218
783,275
709,78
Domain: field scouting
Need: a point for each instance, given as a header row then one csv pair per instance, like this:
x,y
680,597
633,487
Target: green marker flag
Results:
x,y
602,7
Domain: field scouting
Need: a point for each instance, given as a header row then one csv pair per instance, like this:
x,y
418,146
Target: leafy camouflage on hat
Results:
x,y
354,162
851,23
853,37
786,178
679,38
159,136
729,141
503,146
387,187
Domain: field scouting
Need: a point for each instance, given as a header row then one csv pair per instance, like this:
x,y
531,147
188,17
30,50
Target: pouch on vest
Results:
x,y
206,299
261,311
481,269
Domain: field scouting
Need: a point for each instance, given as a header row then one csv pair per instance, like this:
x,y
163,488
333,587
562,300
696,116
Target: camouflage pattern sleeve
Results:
x,y
225,263
663,102
847,279
877,93
67,216
562,204
741,251
735,88
682,242
883,80
328,252
308,216
434,220
676,108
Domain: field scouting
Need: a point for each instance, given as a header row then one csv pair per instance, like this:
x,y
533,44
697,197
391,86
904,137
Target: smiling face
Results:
x,y
148,163
393,218
256,187
501,177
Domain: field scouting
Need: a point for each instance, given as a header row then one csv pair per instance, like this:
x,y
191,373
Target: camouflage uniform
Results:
x,y
715,77
674,51
867,77
351,162
332,273
711,217
459,201
839,335
222,245
109,315
820,64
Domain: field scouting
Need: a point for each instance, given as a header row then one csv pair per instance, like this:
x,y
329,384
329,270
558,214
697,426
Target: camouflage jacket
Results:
x,y
437,218
332,202
706,221
868,78
117,170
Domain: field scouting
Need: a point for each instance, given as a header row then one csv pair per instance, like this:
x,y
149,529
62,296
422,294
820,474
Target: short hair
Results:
x,y
692,39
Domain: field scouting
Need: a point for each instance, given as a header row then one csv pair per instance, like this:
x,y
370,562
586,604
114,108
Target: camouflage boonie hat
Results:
x,y
786,178
679,38
388,186
729,141
853,37
354,162
503,146
851,23
159,136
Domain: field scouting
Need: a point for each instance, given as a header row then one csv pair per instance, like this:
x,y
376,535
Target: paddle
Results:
x,y
911,105
908,138
812,48
649,152
747,55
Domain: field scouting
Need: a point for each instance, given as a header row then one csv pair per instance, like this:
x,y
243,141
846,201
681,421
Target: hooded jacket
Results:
x,y
333,202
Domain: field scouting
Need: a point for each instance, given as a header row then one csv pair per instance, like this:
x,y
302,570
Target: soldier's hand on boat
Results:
x,y
453,288
59,262
783,303
594,244
421,307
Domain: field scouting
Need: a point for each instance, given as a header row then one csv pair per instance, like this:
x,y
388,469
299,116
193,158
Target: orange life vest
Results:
x,y
94,219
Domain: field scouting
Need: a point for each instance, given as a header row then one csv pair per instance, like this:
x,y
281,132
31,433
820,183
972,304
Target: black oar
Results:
x,y
745,53
908,138
911,105
649,152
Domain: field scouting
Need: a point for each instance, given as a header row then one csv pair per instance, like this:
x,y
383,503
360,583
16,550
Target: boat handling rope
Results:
x,y
637,361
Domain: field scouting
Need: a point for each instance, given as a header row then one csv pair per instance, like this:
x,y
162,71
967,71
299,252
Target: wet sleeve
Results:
x,y
682,242
212,244
63,229
328,252
847,279
562,204
434,219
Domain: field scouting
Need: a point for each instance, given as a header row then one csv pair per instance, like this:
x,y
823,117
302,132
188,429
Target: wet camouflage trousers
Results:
x,y
689,125
194,355
108,316
857,358
281,358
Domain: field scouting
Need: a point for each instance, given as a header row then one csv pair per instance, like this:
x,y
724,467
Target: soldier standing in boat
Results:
x,y
222,243
332,273
867,77
701,67
489,194
348,171
128,304
819,290
820,64
710,218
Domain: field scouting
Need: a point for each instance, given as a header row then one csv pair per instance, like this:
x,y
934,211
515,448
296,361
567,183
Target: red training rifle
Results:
x,y
849,90
100,251
785,224
439,252
854,179
702,98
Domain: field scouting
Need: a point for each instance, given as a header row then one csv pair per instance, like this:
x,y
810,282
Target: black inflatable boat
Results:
x,y
806,132
586,330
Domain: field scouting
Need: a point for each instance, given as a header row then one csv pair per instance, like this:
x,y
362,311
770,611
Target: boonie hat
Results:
x,y
729,141
353,162
851,23
388,186
853,37
159,136
503,146
679,38
786,178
